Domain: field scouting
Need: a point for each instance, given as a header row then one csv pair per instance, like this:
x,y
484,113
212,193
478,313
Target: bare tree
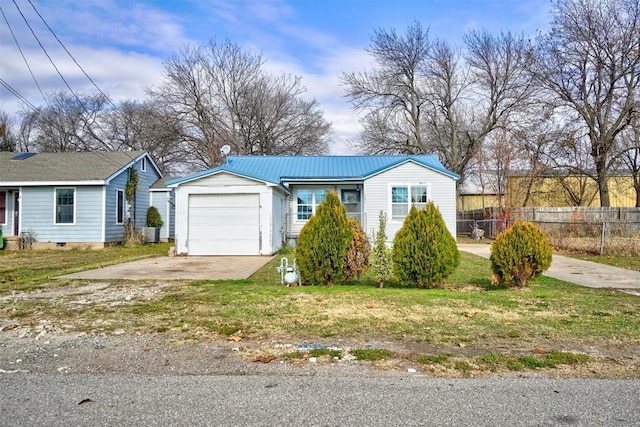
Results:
x,y
392,94
631,154
144,126
496,161
427,97
68,123
272,119
8,139
474,98
590,62
222,96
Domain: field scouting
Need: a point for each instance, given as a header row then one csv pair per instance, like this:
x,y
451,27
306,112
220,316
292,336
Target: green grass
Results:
x,y
20,270
371,354
509,362
466,313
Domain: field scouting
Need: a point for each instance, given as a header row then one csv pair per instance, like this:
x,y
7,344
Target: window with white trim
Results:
x,y
65,205
307,202
405,196
143,164
120,206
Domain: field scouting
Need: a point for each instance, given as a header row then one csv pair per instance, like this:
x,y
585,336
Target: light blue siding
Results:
x,y
38,215
145,181
114,232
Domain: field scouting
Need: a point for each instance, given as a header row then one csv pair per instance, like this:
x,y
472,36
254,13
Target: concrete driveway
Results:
x,y
584,273
176,268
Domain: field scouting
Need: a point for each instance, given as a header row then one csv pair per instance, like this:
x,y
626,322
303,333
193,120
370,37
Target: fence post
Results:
x,y
602,237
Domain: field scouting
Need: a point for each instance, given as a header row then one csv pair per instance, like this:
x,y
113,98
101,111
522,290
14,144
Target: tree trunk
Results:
x,y
603,186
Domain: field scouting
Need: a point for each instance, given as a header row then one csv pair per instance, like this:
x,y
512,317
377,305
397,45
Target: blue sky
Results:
x,y
122,44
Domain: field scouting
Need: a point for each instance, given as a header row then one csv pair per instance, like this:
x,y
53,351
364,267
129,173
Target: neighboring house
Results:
x,y
73,199
252,205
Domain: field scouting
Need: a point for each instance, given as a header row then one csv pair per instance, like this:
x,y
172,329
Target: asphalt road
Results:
x,y
117,400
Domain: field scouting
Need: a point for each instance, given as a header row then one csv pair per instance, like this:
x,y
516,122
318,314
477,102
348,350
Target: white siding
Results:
x,y
377,195
277,220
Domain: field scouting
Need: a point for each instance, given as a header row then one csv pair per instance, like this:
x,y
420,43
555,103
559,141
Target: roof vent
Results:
x,y
22,156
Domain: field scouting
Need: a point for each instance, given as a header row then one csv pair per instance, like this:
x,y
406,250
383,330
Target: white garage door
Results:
x,y
224,224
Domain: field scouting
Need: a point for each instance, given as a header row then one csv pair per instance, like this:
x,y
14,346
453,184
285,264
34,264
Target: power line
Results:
x,y
15,39
72,57
47,53
106,97
76,96
17,94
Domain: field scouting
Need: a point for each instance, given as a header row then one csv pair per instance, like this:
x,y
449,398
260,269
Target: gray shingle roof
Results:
x,y
64,167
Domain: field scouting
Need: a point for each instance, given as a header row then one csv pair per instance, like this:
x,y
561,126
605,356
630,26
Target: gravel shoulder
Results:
x,y
48,350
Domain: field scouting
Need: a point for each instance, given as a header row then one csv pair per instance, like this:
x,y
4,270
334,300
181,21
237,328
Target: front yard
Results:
x,y
466,329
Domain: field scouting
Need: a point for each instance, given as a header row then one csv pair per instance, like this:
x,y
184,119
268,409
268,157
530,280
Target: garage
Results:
x,y
224,224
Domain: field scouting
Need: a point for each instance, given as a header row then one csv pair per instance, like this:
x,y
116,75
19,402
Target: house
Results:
x,y
253,205
74,199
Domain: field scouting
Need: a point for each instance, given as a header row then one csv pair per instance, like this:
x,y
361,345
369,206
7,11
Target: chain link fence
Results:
x,y
600,237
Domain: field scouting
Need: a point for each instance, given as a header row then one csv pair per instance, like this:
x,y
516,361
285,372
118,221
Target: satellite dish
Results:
x,y
225,150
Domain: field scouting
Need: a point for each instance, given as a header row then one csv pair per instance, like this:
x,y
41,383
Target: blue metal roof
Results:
x,y
282,169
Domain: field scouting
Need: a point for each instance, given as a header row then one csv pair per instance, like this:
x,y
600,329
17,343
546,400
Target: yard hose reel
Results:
x,y
289,275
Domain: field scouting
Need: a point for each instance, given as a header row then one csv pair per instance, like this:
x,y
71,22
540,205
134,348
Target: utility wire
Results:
x,y
106,97
72,57
80,102
17,94
47,54
15,39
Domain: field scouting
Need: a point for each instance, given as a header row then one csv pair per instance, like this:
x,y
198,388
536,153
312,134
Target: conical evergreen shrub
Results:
x,y
424,252
520,253
381,262
323,243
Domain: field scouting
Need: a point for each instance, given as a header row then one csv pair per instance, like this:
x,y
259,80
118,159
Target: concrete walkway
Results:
x,y
584,273
179,268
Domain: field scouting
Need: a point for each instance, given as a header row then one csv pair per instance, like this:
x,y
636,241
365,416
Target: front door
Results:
x,y
16,214
351,202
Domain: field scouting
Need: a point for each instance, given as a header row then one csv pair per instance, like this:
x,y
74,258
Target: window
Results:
x,y
308,200
65,205
405,196
3,207
419,196
120,207
399,202
143,164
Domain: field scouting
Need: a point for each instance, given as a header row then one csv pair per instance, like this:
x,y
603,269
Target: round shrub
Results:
x,y
323,243
520,253
424,252
357,260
